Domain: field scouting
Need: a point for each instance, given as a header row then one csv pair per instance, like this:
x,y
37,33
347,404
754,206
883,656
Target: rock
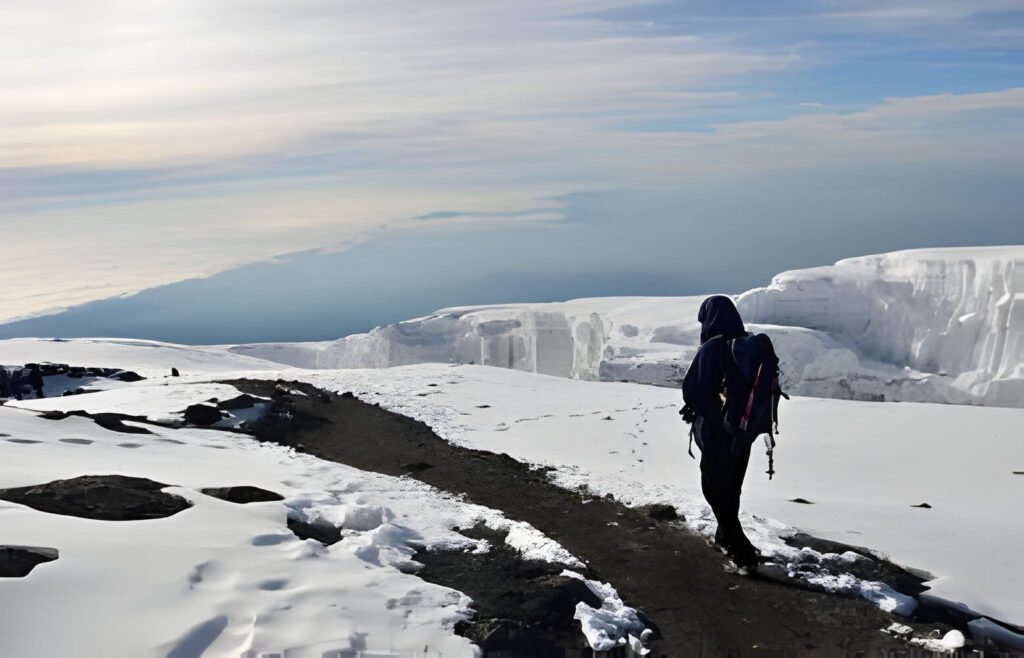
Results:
x,y
554,598
107,420
19,561
923,506
513,597
321,531
242,494
662,512
243,401
175,373
127,376
115,422
802,501
202,414
100,497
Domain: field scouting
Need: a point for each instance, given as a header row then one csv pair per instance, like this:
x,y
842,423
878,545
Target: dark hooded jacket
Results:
x,y
702,385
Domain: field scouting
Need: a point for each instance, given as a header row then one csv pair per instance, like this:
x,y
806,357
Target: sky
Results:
x,y
298,169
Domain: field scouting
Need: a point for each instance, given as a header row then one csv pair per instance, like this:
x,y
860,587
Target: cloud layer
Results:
x,y
145,143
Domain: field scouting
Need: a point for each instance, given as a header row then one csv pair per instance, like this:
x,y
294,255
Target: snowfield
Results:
x,y
222,579
927,326
861,465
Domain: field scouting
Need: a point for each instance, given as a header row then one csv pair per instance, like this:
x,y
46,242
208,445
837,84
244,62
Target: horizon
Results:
x,y
388,161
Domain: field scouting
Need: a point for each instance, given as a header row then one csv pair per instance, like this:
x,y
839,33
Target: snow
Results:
x,y
146,357
925,326
604,626
863,465
223,579
159,400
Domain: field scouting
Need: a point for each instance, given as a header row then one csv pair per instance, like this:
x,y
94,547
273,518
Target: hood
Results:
x,y
718,317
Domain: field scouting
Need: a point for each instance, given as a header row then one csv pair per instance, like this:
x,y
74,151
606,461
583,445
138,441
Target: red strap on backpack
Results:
x,y
750,400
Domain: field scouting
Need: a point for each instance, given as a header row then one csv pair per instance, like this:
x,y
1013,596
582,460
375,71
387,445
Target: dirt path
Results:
x,y
660,568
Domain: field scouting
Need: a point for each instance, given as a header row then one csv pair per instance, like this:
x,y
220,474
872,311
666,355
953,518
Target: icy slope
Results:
x,y
956,313
926,326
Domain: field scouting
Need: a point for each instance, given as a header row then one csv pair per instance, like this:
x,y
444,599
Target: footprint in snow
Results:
x,y
77,442
271,540
23,441
273,585
129,445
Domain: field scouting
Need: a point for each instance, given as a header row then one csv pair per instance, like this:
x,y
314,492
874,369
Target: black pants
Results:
x,y
721,480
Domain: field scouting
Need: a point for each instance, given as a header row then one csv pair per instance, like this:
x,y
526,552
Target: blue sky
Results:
x,y
599,147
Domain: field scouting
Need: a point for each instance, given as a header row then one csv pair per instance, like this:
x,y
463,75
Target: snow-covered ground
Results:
x,y
222,579
927,326
146,357
862,464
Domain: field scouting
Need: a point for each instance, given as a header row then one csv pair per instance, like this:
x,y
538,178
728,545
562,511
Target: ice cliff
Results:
x,y
937,325
952,314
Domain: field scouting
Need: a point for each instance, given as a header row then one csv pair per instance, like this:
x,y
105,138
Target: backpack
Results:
x,y
752,393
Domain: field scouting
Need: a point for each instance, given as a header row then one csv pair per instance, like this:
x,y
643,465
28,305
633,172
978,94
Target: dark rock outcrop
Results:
x,y
323,532
243,401
19,561
243,494
521,605
100,497
127,376
107,420
202,414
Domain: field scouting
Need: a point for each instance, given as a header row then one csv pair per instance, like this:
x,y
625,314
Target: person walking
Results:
x,y
725,451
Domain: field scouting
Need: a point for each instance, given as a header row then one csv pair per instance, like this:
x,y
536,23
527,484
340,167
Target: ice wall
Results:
x,y
924,326
953,314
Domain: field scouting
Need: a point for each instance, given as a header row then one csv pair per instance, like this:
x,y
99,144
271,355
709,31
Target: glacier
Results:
x,y
956,314
939,325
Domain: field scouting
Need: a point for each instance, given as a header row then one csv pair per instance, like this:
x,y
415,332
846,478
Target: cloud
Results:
x,y
149,142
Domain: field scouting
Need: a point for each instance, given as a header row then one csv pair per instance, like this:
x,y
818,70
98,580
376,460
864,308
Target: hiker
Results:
x,y
725,450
